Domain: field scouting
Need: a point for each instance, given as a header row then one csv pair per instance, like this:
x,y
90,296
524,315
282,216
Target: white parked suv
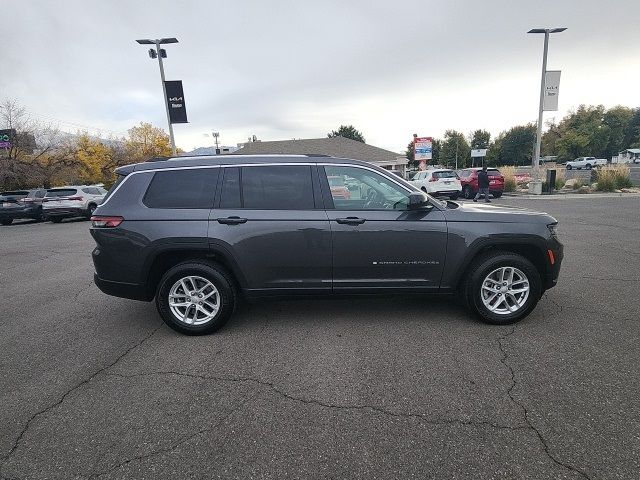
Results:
x,y
585,162
438,181
71,201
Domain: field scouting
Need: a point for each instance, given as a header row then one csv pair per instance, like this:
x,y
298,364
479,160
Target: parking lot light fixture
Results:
x,y
157,42
536,184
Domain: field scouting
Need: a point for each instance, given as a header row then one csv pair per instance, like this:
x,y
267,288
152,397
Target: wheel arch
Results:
x,y
165,259
533,251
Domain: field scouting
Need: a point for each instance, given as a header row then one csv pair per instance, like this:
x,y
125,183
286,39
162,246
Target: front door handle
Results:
x,y
232,220
350,221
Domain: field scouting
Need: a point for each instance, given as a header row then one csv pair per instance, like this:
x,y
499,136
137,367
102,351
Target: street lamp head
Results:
x,y
547,30
148,41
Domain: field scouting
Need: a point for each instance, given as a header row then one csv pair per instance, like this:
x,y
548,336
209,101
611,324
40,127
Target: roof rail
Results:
x,y
157,159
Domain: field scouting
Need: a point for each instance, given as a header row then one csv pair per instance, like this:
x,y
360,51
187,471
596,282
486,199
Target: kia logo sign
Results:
x,y
175,101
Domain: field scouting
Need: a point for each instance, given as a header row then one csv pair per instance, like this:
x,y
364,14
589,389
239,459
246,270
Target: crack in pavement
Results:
x,y
16,443
530,425
172,447
282,393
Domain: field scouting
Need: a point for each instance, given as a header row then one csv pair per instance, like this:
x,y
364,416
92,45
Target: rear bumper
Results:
x,y
64,212
132,291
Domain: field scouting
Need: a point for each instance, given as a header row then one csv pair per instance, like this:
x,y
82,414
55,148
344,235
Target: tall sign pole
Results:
x,y
536,185
536,156
164,96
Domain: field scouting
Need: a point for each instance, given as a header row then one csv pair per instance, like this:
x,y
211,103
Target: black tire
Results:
x,y
55,219
213,273
6,221
454,196
90,209
467,192
569,167
588,166
481,268
497,194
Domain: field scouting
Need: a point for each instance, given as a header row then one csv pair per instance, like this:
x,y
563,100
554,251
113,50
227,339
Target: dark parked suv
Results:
x,y
195,233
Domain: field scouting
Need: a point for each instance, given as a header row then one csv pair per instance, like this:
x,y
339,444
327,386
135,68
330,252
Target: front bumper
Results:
x,y
553,272
14,213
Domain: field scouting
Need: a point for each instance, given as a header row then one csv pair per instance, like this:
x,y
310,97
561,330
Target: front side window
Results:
x,y
190,188
278,187
354,188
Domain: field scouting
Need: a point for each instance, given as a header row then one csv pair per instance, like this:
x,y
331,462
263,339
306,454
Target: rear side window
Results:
x,y
61,192
192,188
493,171
282,187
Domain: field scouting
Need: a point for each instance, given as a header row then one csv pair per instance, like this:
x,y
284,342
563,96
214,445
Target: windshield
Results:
x,y
445,174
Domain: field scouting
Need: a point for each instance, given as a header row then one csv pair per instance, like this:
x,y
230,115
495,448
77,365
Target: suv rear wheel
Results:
x,y
502,287
195,298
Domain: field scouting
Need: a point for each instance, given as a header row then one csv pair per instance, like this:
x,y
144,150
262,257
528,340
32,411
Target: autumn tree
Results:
x,y
146,141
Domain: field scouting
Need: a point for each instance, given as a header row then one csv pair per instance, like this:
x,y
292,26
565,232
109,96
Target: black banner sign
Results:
x,y
175,101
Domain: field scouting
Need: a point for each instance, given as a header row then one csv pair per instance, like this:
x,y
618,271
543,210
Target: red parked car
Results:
x,y
469,182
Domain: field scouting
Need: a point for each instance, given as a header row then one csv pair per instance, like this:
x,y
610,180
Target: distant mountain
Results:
x,y
210,150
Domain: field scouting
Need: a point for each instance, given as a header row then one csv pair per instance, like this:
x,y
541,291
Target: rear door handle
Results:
x,y
232,220
351,221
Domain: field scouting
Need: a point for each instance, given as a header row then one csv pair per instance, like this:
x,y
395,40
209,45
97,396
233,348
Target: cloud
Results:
x,y
287,69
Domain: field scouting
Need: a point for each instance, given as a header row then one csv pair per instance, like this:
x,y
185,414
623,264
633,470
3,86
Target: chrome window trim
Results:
x,y
270,164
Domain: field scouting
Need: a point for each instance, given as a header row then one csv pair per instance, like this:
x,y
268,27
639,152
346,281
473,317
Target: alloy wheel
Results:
x,y
194,300
505,290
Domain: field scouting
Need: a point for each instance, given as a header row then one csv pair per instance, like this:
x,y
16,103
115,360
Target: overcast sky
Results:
x,y
298,69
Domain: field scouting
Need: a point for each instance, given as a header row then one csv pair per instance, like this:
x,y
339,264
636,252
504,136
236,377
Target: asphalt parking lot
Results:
x,y
95,386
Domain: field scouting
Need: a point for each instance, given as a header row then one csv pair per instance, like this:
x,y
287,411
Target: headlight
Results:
x,y
553,229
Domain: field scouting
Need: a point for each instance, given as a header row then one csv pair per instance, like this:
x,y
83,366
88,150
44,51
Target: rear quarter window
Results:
x,y
191,188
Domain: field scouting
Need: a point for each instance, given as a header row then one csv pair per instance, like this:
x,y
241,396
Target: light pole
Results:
x,y
537,184
160,53
216,135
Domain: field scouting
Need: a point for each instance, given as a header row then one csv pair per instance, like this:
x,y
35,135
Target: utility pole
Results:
x,y
160,53
536,185
216,135
457,139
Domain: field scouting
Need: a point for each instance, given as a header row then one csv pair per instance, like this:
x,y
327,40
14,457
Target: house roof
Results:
x,y
631,150
335,146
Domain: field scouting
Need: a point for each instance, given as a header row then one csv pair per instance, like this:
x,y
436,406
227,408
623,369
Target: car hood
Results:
x,y
482,212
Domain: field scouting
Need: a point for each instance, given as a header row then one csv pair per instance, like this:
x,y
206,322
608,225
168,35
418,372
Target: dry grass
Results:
x,y
509,174
613,177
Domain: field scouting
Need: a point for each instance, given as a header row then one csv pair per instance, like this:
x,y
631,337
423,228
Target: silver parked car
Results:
x,y
71,201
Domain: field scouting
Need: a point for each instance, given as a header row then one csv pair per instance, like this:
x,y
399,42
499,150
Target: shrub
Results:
x,y
578,184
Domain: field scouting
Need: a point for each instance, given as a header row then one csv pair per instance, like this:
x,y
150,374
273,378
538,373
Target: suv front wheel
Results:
x,y
502,288
195,298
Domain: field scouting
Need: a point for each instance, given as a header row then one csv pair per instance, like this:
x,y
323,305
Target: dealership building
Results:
x,y
335,147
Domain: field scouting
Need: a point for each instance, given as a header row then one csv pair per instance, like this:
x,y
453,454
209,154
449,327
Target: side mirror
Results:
x,y
417,201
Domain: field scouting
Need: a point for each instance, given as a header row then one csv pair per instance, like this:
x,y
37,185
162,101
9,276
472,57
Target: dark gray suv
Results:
x,y
197,232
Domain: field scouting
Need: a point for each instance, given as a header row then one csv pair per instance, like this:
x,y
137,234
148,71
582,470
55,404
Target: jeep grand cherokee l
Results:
x,y
196,233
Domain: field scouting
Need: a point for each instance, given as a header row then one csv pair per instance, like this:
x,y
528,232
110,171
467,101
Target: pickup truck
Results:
x,y
585,162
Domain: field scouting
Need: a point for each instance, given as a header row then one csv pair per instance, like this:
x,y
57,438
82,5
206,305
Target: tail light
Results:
x,y
26,200
433,179
78,199
106,222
